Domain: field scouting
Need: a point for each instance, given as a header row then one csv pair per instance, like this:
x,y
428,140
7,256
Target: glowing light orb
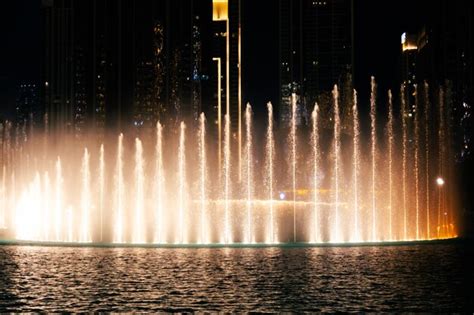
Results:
x,y
440,181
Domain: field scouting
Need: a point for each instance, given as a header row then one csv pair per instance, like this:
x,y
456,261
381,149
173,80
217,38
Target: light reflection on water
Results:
x,y
407,278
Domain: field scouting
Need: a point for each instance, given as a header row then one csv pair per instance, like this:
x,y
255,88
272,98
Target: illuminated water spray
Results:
x,y
58,215
270,156
3,201
159,186
316,235
181,182
293,158
119,193
331,201
427,160
390,164
336,237
417,168
202,178
226,174
404,160
86,200
356,165
373,146
139,207
440,164
101,191
46,205
248,173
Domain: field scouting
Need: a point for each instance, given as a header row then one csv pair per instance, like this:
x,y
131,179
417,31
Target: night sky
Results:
x,y
378,26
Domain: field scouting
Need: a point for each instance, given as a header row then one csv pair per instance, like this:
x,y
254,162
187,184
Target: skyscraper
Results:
x,y
28,110
58,68
226,16
315,50
119,64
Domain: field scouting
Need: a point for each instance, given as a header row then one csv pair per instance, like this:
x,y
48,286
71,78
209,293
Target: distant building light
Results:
x,y
408,42
46,84
219,10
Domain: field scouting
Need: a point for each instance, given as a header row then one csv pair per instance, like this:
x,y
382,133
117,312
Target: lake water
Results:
x,y
423,277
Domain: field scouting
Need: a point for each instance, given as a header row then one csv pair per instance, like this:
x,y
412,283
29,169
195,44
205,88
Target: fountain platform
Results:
x,y
233,245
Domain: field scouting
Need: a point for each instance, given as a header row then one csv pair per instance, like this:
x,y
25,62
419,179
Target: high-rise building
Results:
x,y
315,51
409,50
28,110
226,79
441,54
118,64
226,52
58,68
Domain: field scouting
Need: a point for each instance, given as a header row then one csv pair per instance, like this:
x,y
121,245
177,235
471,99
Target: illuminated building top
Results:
x,y
219,10
408,42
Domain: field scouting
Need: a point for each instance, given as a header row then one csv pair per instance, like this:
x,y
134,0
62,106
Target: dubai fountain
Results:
x,y
310,183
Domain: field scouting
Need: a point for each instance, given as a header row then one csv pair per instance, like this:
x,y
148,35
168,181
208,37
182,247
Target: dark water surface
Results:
x,y
427,277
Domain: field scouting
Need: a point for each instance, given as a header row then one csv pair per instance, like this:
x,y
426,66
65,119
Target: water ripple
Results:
x,y
436,278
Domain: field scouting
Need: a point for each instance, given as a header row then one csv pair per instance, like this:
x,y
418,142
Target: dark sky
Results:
x,y
19,51
378,26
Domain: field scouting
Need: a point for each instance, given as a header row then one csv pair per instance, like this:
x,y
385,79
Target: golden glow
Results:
x,y
283,195
408,42
219,10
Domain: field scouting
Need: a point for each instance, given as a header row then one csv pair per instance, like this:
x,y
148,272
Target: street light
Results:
x,y
440,181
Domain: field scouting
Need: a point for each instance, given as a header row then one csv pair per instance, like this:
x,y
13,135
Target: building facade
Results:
x,y
315,51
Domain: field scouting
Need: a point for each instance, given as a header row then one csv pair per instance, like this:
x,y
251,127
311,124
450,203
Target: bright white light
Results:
x,y
404,38
282,196
440,181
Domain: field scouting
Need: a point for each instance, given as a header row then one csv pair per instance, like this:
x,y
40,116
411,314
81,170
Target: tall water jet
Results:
x,y
101,191
293,158
69,224
46,213
159,185
204,239
181,182
356,165
373,146
248,172
226,174
404,159
336,237
417,162
139,209
316,235
270,156
13,192
86,199
119,193
58,202
427,159
48,210
28,211
3,204
440,161
390,164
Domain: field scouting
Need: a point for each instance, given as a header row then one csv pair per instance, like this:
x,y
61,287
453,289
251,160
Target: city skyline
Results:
x,y
253,57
